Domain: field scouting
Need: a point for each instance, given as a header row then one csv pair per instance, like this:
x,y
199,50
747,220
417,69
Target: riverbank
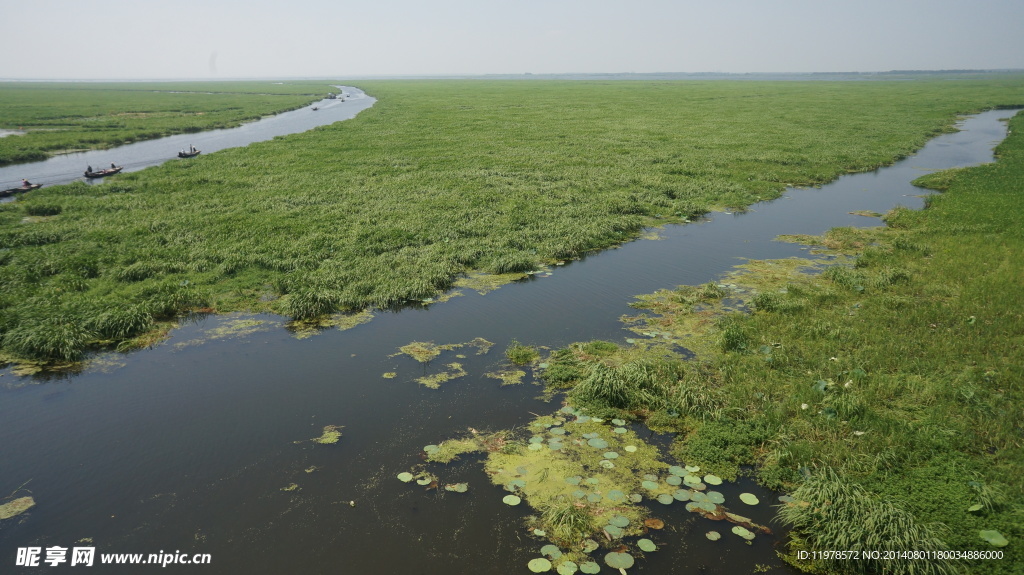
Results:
x,y
885,391
438,179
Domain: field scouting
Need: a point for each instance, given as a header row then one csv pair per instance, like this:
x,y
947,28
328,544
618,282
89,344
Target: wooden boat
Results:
x,y
103,173
19,190
189,154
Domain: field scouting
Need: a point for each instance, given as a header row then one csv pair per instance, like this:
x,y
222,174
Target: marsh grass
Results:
x,y
830,512
886,391
438,179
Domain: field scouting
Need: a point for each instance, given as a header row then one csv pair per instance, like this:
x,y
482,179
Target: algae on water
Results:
x,y
16,507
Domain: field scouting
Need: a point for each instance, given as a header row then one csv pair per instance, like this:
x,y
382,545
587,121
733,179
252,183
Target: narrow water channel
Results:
x,y
194,445
66,168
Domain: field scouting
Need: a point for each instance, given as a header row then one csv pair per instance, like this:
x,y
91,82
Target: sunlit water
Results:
x,y
188,446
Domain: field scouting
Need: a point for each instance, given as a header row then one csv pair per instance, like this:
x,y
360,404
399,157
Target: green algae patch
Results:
x,y
577,497
291,487
448,451
390,375
306,328
484,283
690,316
330,436
16,507
229,329
507,376
434,381
425,351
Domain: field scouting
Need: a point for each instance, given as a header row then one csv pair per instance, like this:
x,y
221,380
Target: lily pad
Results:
x,y
994,538
673,480
567,568
676,470
431,448
713,535
715,497
691,480
619,422
539,565
593,480
654,523
619,521
646,545
650,477
665,499
749,498
649,485
405,477
597,443
457,487
557,430
590,568
636,497
590,545
424,481
712,480
681,495
619,560
611,455
536,439
551,551
606,464
512,500
693,468
594,498
743,532
630,449
574,480
536,447
620,430
616,496
613,531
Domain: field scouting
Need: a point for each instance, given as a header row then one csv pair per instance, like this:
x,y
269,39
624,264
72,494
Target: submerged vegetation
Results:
x,y
59,117
437,180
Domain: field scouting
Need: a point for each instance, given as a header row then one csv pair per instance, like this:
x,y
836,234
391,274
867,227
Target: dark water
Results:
x,y
70,167
187,446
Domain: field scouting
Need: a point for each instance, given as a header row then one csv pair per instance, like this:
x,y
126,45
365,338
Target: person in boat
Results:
x,y
88,169
25,183
112,166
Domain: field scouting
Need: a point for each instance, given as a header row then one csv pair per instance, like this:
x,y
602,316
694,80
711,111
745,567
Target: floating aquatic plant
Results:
x,y
749,498
646,545
567,568
713,535
331,435
539,565
994,538
617,560
511,500
16,507
405,477
589,567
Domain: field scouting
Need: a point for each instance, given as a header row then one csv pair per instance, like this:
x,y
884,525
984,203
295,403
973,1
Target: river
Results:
x,y
193,445
66,168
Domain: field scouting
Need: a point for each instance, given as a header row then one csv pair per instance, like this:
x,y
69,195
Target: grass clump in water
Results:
x,y
520,354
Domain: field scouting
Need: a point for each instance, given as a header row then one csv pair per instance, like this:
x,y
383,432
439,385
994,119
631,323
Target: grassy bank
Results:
x,y
436,179
80,116
885,392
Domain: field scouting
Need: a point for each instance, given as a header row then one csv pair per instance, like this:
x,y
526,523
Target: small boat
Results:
x,y
103,173
189,154
19,190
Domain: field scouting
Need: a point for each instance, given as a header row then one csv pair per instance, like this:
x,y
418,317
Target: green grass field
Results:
x,y
59,117
438,178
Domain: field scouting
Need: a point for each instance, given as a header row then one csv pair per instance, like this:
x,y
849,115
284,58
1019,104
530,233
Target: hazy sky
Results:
x,y
208,39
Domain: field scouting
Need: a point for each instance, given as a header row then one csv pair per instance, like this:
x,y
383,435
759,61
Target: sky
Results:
x,y
226,39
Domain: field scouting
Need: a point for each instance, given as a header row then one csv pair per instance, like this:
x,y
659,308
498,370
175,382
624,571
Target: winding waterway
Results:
x,y
190,446
65,168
